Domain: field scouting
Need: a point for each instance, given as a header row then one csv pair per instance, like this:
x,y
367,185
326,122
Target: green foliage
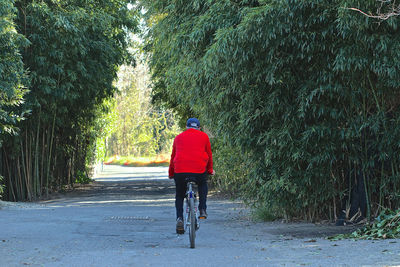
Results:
x,y
1,186
264,214
232,168
76,49
82,178
138,128
12,75
385,226
308,90
104,124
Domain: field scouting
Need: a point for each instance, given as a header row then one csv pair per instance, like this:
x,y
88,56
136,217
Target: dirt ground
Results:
x,y
127,218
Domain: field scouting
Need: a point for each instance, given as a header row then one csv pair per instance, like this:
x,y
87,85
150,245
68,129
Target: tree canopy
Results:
x,y
304,92
12,74
75,50
301,97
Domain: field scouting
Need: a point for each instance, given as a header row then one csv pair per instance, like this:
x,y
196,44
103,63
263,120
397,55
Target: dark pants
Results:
x,y
180,183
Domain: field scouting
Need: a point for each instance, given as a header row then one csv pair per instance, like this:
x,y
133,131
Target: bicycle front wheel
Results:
x,y
192,227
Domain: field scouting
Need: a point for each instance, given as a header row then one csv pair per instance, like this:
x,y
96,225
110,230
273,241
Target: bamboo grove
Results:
x,y
58,61
301,96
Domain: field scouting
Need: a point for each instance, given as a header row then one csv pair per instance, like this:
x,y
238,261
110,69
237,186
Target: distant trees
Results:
x,y
139,129
302,95
75,49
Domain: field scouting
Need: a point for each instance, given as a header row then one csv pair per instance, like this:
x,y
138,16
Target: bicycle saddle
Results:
x,y
191,179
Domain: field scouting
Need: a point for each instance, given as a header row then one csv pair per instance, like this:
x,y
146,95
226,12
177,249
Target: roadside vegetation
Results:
x,y
385,226
58,62
300,98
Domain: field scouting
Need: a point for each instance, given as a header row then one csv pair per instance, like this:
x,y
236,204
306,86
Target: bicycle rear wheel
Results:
x,y
192,227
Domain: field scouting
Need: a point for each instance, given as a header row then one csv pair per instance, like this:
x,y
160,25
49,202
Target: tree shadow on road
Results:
x,y
308,230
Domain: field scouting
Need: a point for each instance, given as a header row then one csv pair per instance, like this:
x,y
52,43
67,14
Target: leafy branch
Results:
x,y
385,226
386,10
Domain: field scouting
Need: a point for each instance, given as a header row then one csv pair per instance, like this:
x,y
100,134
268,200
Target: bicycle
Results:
x,y
191,220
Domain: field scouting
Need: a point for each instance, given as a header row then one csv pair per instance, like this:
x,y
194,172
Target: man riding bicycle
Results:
x,y
191,157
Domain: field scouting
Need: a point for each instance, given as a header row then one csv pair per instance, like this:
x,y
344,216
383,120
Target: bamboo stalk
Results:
x,y
334,209
393,174
19,180
36,167
397,173
381,187
42,158
349,199
15,180
46,159
333,189
11,194
363,168
366,194
72,165
31,167
69,171
57,178
27,187
29,164
49,158
27,173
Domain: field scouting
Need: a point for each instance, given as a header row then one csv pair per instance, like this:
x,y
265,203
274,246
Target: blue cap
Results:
x,y
193,123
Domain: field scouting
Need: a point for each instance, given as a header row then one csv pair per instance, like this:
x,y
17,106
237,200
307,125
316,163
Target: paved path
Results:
x,y
127,218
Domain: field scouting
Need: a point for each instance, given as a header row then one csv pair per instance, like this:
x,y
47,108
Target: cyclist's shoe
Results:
x,y
180,229
197,225
203,214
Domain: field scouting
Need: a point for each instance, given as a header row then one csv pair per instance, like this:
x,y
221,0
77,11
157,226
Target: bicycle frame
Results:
x,y
191,194
191,220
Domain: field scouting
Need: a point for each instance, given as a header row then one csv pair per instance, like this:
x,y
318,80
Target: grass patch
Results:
x,y
265,214
81,178
156,161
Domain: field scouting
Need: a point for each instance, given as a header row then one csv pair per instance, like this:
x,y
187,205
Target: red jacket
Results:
x,y
191,153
